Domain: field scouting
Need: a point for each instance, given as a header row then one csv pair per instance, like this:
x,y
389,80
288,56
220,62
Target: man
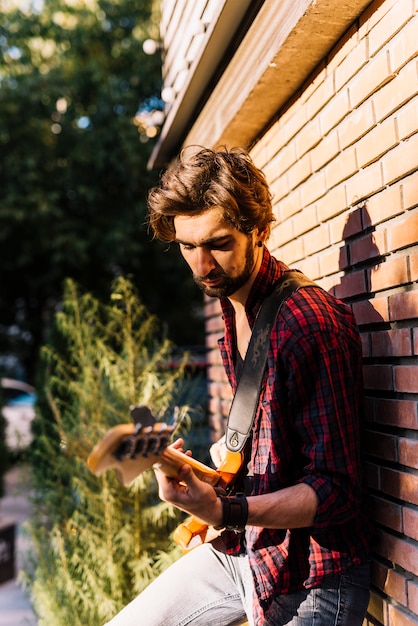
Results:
x,y
295,550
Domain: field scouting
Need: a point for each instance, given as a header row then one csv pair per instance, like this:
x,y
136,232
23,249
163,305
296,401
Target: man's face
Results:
x,y
223,260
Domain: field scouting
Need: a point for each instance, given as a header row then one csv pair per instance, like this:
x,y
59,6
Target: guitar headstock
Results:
x,y
131,448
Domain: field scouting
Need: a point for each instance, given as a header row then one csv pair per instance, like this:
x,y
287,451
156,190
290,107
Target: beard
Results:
x,y
227,285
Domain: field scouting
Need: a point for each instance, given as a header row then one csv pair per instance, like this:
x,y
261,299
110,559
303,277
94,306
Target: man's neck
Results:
x,y
240,297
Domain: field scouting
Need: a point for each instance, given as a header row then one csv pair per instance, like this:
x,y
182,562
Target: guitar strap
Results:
x,y
245,402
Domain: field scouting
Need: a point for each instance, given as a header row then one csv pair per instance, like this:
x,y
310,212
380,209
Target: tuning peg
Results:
x,y
141,415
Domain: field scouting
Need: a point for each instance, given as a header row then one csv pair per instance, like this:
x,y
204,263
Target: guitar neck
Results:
x,y
172,460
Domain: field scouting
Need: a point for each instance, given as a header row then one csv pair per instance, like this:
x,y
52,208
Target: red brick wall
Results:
x,y
342,162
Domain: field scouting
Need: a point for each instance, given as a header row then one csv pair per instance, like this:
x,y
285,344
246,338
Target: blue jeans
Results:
x,y
340,601
207,587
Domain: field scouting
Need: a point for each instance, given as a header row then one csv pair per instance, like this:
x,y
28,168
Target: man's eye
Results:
x,y
224,245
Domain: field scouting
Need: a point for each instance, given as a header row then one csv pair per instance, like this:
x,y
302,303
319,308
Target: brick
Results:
x,y
390,24
364,183
292,120
281,162
403,306
309,267
309,136
332,260
376,143
400,485
406,378
378,377
325,151
377,609
365,248
271,143
346,225
292,251
372,475
396,93
316,240
305,221
333,203
351,284
299,171
343,48
382,446
371,311
387,343
259,153
356,124
369,412
282,233
407,119
410,522
397,617
288,205
415,340
321,96
403,47
387,514
341,168
353,62
403,233
373,14
385,204
334,111
408,452
215,375
280,188
410,191
392,273
412,590
389,582
365,345
213,325
354,223
313,188
413,266
401,413
400,161
369,79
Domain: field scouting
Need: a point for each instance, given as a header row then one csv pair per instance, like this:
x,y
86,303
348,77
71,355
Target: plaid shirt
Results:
x,y
306,430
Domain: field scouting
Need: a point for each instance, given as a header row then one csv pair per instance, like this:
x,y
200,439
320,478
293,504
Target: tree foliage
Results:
x,y
97,544
73,171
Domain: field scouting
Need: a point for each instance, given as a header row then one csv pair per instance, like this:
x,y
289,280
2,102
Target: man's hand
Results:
x,y
190,494
218,452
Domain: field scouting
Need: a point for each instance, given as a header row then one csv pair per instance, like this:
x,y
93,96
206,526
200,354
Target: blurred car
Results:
x,y
18,407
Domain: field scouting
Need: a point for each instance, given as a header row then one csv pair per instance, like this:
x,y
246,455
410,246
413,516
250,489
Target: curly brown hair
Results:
x,y
208,178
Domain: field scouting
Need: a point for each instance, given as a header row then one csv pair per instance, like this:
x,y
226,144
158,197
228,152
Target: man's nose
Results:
x,y
204,262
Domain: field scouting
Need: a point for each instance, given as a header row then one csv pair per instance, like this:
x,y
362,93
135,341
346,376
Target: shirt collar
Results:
x,y
270,271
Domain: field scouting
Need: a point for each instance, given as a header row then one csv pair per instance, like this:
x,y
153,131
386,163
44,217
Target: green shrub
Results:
x,y
97,543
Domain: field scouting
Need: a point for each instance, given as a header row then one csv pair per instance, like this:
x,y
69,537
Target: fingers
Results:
x,y
175,489
178,445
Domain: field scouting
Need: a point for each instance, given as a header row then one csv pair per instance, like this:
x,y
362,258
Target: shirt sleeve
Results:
x,y
324,387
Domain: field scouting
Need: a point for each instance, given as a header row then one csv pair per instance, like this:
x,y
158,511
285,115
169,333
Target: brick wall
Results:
x,y
342,162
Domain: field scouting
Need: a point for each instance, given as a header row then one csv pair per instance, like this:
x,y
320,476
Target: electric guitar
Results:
x,y
133,448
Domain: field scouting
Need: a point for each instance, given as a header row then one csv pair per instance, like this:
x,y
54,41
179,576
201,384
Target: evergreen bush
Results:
x,y
96,543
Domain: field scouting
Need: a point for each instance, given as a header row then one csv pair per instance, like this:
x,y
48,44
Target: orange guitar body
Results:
x,y
106,455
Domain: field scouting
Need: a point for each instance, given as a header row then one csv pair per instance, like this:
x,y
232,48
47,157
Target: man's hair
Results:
x,y
202,179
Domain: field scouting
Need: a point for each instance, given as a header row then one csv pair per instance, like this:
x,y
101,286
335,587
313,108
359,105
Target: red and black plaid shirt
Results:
x,y
307,430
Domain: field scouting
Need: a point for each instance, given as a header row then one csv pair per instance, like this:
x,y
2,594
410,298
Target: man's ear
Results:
x,y
262,235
